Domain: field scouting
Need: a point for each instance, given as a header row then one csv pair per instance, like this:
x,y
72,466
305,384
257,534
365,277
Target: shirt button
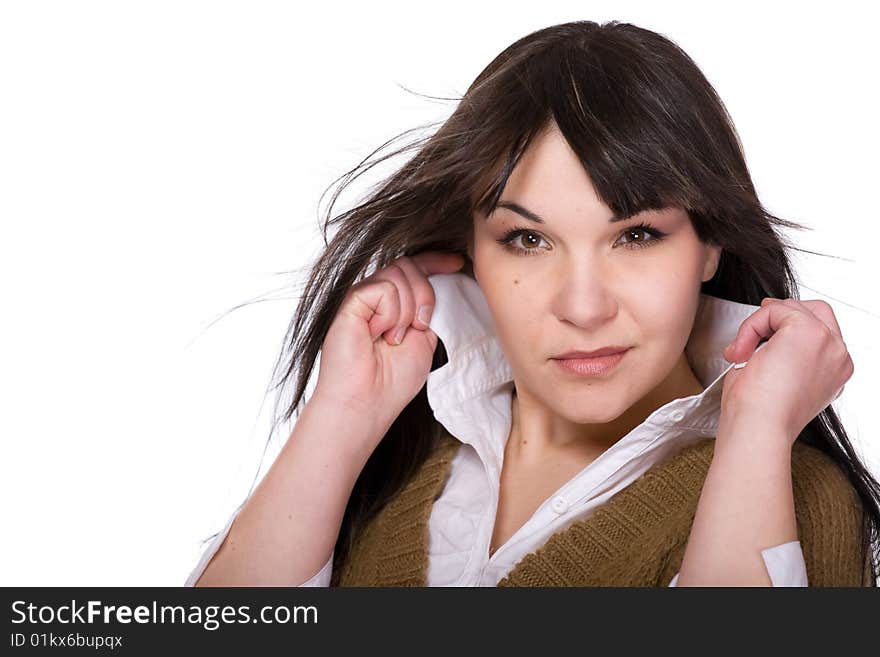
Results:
x,y
559,505
678,416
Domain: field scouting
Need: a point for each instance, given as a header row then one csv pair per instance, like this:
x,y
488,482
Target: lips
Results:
x,y
604,351
595,366
599,363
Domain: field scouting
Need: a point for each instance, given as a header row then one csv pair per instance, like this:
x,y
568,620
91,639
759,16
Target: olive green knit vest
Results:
x,y
637,538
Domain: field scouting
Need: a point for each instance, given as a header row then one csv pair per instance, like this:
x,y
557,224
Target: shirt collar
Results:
x,y
477,369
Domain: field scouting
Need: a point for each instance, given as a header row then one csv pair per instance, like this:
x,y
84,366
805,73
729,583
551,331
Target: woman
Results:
x,y
592,186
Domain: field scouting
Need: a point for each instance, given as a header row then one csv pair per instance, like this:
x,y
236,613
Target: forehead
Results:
x,y
549,160
551,180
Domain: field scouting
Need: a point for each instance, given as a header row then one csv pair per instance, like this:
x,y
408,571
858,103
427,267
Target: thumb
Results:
x,y
729,351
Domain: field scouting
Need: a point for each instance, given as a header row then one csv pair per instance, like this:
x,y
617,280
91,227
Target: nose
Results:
x,y
583,297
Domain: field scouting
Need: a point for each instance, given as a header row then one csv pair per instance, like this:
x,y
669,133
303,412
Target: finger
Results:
x,y
438,262
422,291
819,311
816,307
824,317
823,311
760,325
377,303
405,309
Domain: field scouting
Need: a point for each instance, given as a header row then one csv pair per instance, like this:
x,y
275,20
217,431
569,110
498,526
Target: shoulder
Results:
x,y
688,464
443,449
820,480
830,518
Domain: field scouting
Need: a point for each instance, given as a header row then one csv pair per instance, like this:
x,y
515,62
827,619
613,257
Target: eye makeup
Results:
x,y
655,237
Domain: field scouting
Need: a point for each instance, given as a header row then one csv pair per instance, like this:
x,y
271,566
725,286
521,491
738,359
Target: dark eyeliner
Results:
x,y
507,239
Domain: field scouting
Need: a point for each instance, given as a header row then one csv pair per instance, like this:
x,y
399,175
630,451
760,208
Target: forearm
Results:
x,y
746,505
287,529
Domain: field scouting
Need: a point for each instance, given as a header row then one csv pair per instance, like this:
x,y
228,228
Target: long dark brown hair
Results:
x,y
650,131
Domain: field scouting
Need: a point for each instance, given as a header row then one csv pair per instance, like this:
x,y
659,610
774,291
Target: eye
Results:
x,y
654,234
508,241
649,236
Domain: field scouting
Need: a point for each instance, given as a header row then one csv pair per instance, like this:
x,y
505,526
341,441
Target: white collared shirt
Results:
x,y
471,397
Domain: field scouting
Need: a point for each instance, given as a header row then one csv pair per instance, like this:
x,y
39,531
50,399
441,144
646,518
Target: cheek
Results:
x,y
661,297
482,259
665,320
511,296
496,271
517,308
665,305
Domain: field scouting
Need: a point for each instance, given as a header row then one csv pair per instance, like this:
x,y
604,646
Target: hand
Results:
x,y
799,371
361,365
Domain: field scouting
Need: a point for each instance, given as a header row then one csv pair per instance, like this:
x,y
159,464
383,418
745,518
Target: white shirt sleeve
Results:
x,y
785,565
321,578
211,550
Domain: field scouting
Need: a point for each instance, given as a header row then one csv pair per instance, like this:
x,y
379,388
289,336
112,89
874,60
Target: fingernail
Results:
x,y
425,314
398,337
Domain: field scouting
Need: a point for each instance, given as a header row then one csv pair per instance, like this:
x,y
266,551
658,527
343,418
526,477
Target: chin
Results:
x,y
580,415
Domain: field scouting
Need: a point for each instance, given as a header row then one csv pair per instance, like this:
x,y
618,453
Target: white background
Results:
x,y
162,163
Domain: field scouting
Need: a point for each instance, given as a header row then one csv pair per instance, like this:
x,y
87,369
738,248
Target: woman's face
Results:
x,y
582,283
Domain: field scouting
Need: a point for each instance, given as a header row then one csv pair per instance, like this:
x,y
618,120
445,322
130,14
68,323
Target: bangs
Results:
x,y
634,130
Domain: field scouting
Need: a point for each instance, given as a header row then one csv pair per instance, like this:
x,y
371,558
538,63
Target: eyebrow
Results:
x,y
531,216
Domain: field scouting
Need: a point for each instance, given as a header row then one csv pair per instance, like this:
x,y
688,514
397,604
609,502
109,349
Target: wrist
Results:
x,y
756,435
346,428
350,411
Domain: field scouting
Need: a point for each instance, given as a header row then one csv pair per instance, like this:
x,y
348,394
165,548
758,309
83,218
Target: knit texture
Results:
x,y
637,538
